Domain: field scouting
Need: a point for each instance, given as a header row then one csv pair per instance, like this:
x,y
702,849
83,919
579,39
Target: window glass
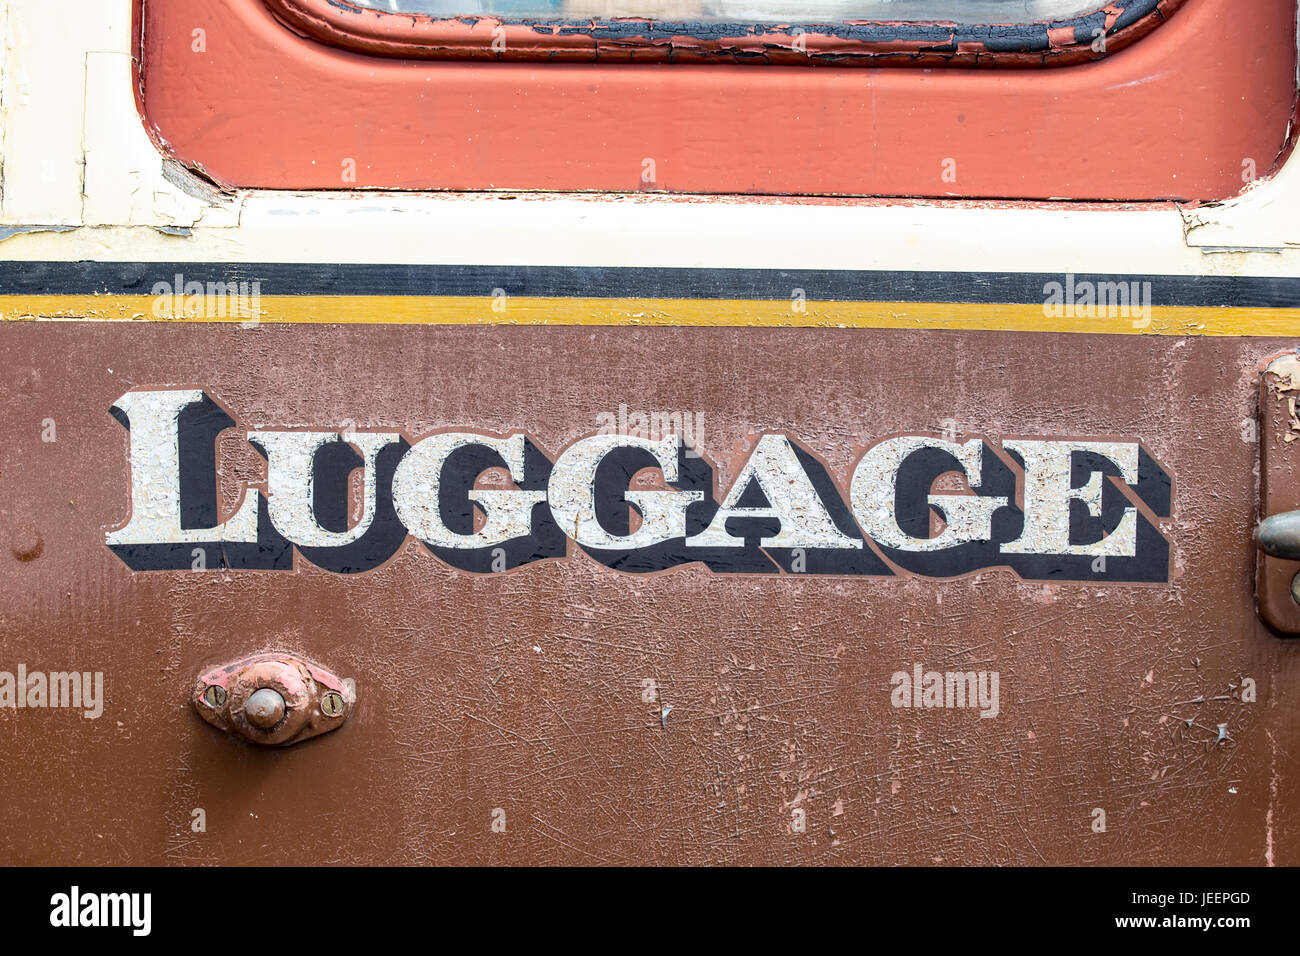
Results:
x,y
757,11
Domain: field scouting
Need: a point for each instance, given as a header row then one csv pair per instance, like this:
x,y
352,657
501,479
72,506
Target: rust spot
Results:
x,y
26,544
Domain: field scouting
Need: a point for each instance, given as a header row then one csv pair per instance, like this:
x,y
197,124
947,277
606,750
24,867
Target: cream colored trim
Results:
x,y
75,154
1262,218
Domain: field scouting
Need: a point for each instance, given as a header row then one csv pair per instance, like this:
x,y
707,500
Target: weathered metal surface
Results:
x,y
566,712
1279,486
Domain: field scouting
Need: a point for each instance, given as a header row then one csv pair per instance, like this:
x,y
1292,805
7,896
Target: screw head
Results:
x,y
1295,588
215,695
264,708
331,705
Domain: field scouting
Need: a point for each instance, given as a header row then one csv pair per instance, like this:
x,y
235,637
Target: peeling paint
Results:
x,y
1283,379
849,42
8,232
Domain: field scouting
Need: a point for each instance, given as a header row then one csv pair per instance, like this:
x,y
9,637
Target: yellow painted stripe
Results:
x,y
465,310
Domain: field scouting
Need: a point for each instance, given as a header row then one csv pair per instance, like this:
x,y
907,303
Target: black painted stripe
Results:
x,y
602,282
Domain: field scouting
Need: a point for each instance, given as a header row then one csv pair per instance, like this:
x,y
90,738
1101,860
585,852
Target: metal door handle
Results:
x,y
275,698
1279,536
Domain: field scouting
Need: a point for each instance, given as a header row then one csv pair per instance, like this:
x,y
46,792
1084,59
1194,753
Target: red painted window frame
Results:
x,y
1176,116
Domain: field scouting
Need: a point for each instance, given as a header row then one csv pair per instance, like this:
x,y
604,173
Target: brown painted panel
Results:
x,y
523,691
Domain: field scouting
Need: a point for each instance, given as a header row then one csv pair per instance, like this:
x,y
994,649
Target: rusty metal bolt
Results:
x,y
331,705
265,708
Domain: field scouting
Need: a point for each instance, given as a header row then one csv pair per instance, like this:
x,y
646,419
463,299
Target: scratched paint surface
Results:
x,y
527,692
